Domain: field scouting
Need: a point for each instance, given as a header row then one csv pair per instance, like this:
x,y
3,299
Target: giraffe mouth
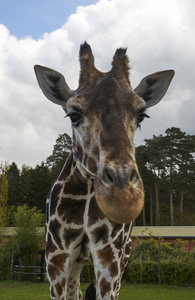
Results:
x,y
120,205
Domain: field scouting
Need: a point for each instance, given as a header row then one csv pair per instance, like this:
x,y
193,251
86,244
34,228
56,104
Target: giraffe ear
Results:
x,y
153,87
53,85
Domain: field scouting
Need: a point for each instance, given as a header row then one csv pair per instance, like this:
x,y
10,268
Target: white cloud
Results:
x,y
159,35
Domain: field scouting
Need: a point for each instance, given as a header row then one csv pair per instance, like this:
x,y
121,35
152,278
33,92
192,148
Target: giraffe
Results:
x,y
99,192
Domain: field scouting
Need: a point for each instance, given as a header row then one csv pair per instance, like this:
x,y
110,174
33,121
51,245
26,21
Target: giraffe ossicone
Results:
x,y
99,192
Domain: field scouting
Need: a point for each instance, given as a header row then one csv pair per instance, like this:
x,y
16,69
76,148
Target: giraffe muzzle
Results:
x,y
119,193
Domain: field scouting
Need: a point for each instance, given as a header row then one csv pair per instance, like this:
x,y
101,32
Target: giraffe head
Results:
x,y
105,113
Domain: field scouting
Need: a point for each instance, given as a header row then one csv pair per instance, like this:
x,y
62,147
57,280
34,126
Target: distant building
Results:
x,y
167,234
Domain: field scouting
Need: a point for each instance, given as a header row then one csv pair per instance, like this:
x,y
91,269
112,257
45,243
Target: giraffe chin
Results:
x,y
118,205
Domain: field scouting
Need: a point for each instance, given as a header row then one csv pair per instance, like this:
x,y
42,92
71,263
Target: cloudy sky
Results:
x,y
159,35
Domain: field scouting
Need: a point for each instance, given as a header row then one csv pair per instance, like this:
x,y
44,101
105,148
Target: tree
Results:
x,y
155,164
60,153
148,179
40,183
179,150
26,240
27,220
3,193
167,165
14,181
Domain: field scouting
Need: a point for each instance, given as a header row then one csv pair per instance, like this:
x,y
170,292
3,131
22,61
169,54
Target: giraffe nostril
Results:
x,y
120,177
133,175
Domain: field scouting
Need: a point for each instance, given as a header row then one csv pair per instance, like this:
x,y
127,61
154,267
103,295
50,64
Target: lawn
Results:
x,y
16,290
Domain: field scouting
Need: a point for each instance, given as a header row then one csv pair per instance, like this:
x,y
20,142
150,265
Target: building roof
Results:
x,y
9,231
164,231
138,231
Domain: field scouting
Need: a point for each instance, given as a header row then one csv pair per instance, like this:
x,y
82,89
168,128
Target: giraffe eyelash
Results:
x,y
140,118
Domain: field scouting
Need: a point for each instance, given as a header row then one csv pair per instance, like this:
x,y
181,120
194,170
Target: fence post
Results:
x,y
141,269
12,264
42,276
159,258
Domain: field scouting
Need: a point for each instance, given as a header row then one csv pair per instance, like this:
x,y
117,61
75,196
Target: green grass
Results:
x,y
156,292
16,290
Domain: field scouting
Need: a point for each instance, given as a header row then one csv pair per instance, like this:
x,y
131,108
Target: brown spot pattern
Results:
x,y
72,210
66,169
54,228
70,235
54,198
52,292
113,268
127,249
95,213
92,165
77,181
59,289
116,229
56,265
79,152
104,287
118,243
106,257
100,234
50,247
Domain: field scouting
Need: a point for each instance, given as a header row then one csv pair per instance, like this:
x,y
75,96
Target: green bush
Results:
x,y
132,272
24,244
144,272
87,274
147,249
178,271
27,221
150,272
177,266
26,241
5,260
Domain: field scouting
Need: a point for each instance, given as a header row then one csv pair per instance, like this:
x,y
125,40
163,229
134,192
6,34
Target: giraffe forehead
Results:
x,y
106,98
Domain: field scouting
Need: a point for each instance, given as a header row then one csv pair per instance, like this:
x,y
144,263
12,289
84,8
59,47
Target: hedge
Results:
x,y
177,266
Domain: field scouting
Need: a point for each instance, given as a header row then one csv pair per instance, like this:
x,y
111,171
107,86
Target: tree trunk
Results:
x,y
157,206
144,216
171,207
151,207
181,206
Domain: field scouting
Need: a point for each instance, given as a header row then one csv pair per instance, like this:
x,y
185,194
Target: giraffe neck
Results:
x,y
67,199
77,232
75,180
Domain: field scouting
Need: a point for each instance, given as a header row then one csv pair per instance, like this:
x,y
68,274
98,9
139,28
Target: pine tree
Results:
x,y
3,193
60,153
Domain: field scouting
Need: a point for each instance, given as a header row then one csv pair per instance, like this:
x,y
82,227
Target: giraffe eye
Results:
x,y
140,118
75,116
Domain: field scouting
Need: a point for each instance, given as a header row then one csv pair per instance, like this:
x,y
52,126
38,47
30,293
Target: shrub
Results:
x,y
87,274
26,241
177,267
27,221
178,271
5,260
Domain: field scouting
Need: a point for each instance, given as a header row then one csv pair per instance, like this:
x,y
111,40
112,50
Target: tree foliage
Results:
x,y
60,153
27,220
166,164
3,193
176,264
